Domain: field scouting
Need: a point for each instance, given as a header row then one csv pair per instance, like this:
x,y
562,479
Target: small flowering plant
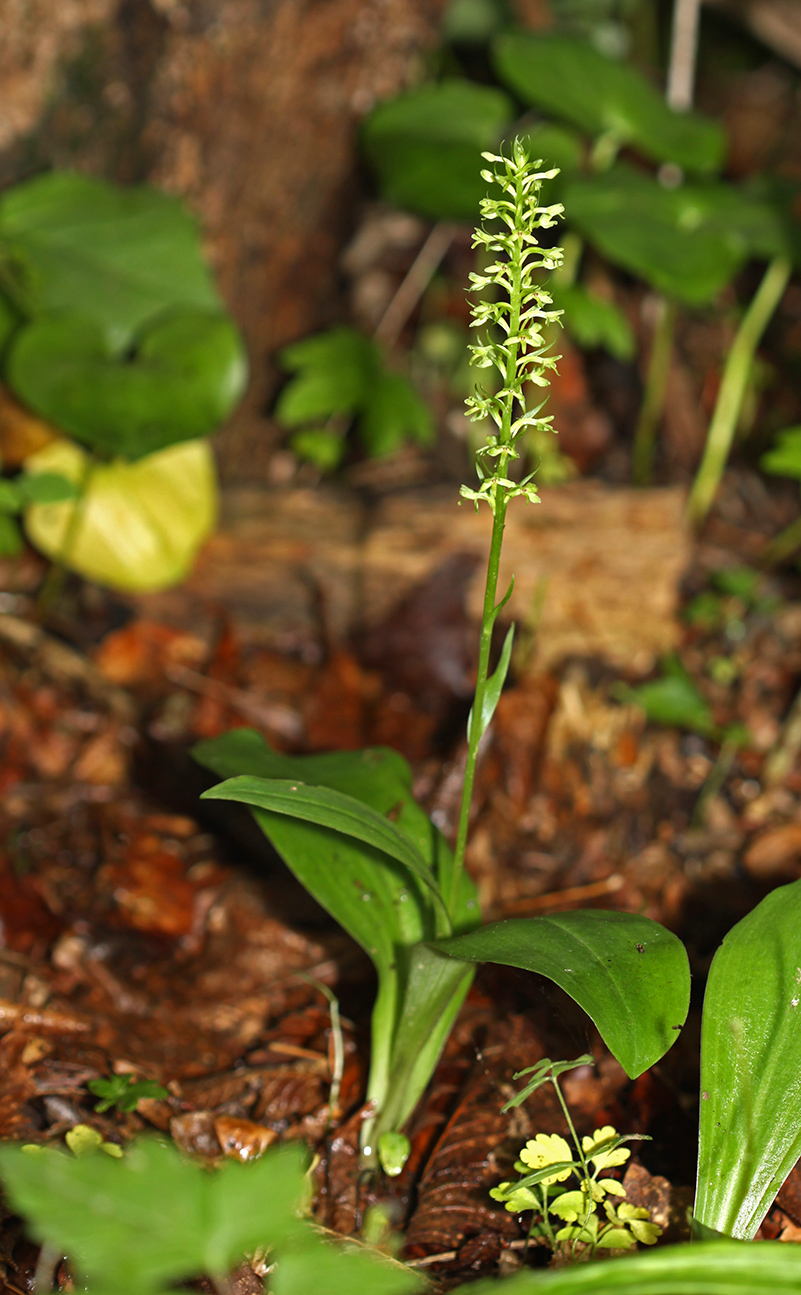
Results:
x,y
594,1215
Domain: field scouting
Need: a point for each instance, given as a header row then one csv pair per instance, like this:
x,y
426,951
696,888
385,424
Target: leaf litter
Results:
x,y
138,940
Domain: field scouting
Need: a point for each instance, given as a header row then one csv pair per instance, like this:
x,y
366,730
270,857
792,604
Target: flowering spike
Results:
x,y
517,349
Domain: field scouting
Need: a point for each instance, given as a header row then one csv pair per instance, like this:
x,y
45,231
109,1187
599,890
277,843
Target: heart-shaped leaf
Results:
x,y
426,147
185,375
630,975
688,242
122,255
750,1135
141,524
573,81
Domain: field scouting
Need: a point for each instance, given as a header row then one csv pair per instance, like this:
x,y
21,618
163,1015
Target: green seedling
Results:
x,y
340,377
112,331
123,1092
347,824
155,1220
568,1219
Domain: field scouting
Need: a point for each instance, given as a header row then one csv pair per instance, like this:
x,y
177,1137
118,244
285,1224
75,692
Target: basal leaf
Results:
x,y
324,807
573,81
184,377
750,1134
426,146
715,1268
630,975
123,255
141,523
378,776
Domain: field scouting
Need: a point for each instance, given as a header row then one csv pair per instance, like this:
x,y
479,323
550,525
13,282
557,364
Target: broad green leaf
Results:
x,y
426,146
593,321
378,776
12,499
184,377
393,413
154,1216
333,373
324,807
573,81
750,1135
141,523
629,974
339,1268
714,1268
675,702
784,460
675,239
11,541
121,255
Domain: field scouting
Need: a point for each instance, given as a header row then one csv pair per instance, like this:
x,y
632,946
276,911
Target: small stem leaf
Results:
x,y
494,685
629,974
333,809
750,1135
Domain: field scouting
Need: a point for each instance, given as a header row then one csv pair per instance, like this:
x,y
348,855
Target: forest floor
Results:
x,y
142,932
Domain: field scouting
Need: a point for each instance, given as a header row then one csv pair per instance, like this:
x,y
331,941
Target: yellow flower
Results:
x,y
604,1159
547,1149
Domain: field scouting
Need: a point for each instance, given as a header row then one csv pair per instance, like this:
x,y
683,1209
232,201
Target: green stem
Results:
x,y
489,612
53,583
733,387
653,402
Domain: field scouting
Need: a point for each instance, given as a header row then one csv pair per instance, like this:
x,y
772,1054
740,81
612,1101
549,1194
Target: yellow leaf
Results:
x,y
604,1159
547,1149
141,524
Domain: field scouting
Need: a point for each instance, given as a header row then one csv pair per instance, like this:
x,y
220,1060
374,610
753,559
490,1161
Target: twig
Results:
x,y
419,275
64,664
683,55
559,899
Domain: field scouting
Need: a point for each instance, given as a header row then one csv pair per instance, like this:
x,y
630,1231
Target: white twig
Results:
x,y
683,55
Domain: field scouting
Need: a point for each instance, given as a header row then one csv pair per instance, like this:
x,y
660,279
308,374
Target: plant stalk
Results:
x,y
733,387
653,402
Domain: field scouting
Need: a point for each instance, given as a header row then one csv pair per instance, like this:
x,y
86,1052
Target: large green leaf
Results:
x,y
573,81
120,255
593,320
750,1134
426,146
714,1268
688,241
676,239
378,776
392,414
153,1215
185,375
324,807
630,975
141,524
